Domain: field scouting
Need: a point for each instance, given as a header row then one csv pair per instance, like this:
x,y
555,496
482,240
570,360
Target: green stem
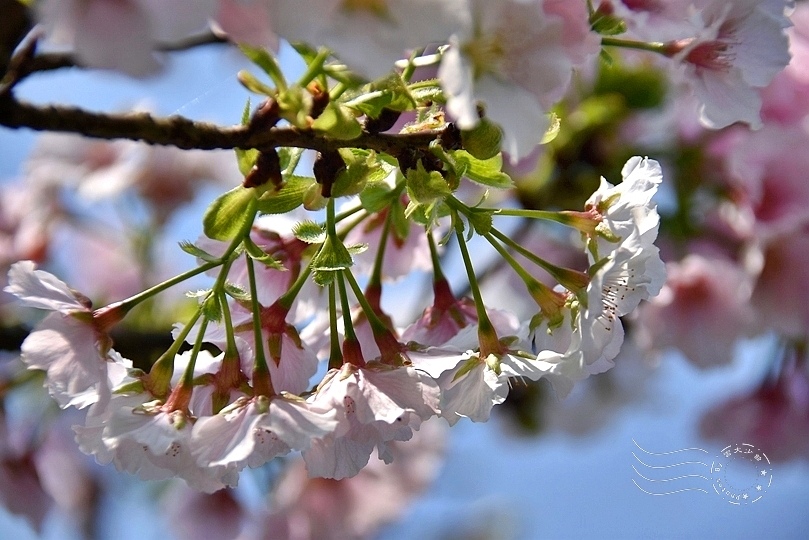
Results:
x,y
438,274
655,47
314,68
548,300
132,301
163,369
335,354
286,299
188,375
570,279
260,361
231,350
487,335
533,214
348,324
337,90
376,273
377,326
470,273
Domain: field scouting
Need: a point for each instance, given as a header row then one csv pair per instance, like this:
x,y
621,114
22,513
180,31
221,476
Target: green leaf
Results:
x,y
197,252
400,224
376,196
332,256
361,166
289,158
309,232
294,105
230,215
356,249
426,187
481,221
553,128
607,24
236,292
427,91
337,122
259,255
212,309
388,93
266,62
249,81
246,159
199,293
483,141
482,171
288,198
246,112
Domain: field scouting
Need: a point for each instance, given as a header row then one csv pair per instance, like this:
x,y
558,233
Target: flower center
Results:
x,y
485,52
713,55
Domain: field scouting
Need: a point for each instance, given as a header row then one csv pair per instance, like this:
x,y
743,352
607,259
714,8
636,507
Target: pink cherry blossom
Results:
x,y
71,344
516,57
779,295
121,34
252,431
369,36
740,47
247,21
774,416
702,310
786,99
320,508
380,404
769,179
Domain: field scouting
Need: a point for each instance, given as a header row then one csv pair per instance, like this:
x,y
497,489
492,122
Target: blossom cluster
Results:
x,y
204,417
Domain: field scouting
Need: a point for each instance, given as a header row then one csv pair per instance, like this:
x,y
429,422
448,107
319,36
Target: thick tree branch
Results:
x,y
189,134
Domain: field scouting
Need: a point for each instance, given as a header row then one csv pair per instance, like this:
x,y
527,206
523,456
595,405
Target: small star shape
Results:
x,y
758,488
763,473
745,496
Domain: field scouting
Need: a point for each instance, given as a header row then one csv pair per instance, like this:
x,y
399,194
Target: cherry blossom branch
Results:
x,y
190,134
58,60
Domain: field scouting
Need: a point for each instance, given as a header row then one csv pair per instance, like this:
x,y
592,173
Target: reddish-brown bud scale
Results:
x,y
326,168
320,99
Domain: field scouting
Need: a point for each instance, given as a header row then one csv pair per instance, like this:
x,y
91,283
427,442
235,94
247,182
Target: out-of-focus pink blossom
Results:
x,y
786,99
702,310
165,177
518,58
248,22
774,417
402,255
121,34
193,515
318,508
738,49
779,295
21,490
771,179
